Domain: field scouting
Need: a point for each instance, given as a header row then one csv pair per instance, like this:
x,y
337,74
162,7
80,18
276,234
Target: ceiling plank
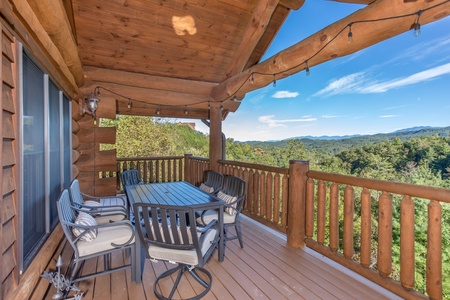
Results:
x,y
100,76
292,60
255,29
52,16
355,1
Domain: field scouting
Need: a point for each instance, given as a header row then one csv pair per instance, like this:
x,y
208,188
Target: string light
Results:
x,y
350,34
186,110
416,32
129,103
417,25
158,110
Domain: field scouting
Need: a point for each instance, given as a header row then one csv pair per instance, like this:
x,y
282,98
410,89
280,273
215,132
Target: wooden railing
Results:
x,y
153,169
267,191
332,214
331,202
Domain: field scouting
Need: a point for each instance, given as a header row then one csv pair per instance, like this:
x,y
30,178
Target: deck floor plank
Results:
x,y
266,268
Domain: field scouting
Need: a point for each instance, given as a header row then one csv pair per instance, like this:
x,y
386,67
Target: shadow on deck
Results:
x,y
267,268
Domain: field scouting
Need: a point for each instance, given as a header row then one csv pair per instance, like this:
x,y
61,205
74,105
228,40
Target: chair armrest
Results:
x,y
207,227
101,209
95,198
98,226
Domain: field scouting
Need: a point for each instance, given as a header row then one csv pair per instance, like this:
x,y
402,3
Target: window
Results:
x,y
46,155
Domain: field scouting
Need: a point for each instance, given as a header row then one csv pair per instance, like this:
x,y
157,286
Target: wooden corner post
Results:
x,y
215,136
187,167
296,205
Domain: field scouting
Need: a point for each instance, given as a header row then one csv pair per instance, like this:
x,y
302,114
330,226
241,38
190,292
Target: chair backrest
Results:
x,y
130,177
236,187
214,180
66,215
169,227
76,197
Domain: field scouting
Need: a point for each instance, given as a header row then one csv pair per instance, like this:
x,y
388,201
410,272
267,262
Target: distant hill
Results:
x,y
336,144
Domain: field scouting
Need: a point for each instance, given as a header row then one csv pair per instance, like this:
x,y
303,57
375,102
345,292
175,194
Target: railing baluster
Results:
x,y
349,208
262,198
285,193
276,199
321,193
407,258
334,217
385,235
309,208
434,253
269,197
366,228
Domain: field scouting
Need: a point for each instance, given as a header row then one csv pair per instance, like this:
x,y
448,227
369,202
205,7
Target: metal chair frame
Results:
x,y
215,180
167,227
236,187
67,217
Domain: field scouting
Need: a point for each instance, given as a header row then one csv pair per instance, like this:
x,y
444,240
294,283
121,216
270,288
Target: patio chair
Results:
x,y
166,236
130,177
89,239
213,183
104,209
233,193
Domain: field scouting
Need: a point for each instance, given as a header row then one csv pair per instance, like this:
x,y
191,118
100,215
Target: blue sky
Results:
x,y
399,83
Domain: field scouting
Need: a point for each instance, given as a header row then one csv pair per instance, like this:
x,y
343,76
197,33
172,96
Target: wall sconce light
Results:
x,y
90,104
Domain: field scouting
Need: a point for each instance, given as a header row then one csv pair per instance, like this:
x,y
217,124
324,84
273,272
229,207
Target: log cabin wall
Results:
x,y
9,272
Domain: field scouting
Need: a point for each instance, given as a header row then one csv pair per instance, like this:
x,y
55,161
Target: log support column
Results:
x,y
215,136
296,205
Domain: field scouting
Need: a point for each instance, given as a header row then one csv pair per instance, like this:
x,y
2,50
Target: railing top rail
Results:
x,y
149,158
255,166
199,158
413,190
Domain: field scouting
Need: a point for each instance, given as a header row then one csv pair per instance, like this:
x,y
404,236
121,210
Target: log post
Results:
x,y
385,234
215,136
187,167
296,204
407,254
434,250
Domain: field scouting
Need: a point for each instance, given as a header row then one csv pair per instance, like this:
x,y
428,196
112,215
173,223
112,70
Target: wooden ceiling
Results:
x,y
175,58
172,52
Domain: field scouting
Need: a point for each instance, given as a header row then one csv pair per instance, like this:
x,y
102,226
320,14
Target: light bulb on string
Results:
x,y
186,110
129,103
307,69
417,25
350,34
274,81
158,110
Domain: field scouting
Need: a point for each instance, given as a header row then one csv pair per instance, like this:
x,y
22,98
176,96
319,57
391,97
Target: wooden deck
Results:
x,y
267,268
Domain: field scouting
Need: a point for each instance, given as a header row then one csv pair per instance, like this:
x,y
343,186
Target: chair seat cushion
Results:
x,y
105,236
85,219
206,188
188,257
210,215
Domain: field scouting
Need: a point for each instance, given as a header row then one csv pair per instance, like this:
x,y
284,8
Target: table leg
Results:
x,y
222,236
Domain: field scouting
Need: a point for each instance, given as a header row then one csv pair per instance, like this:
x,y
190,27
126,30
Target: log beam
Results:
x,y
367,2
292,4
292,60
51,14
255,29
32,26
101,76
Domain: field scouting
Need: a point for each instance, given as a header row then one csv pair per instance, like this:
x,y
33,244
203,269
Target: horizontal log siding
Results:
x,y
267,191
152,169
332,199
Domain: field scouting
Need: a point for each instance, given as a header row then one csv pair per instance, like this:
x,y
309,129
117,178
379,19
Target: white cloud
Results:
x,y
359,83
285,94
412,79
329,116
388,116
269,120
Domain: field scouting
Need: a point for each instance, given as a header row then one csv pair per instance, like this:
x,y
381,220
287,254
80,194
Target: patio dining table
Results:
x,y
180,193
